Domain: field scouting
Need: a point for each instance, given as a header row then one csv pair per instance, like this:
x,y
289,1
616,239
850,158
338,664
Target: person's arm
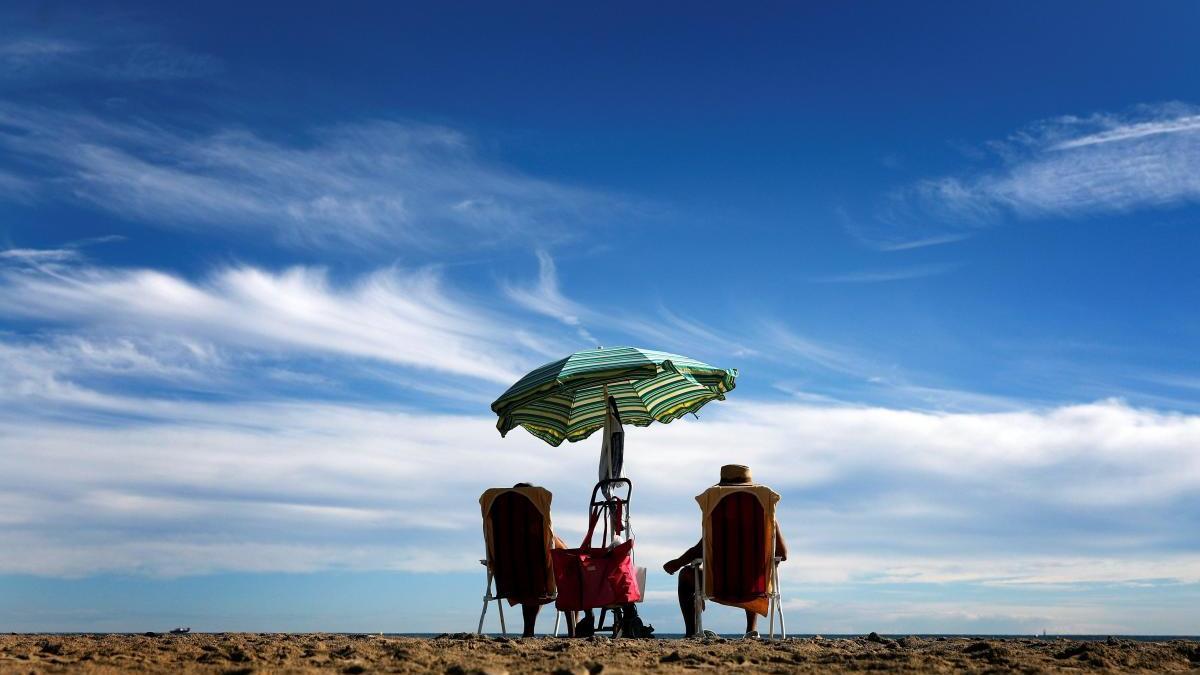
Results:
x,y
781,551
673,566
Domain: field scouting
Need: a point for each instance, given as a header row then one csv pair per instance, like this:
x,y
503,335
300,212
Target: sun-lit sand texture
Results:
x,y
462,653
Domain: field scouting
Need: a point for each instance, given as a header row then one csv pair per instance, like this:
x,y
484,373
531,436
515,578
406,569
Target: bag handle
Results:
x,y
598,506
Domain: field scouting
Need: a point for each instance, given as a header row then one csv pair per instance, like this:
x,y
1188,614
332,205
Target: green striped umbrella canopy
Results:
x,y
565,399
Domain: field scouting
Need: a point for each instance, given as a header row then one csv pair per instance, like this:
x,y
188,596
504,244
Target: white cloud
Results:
x,y
1081,494
545,297
1065,168
664,327
897,274
788,344
49,357
20,55
381,183
39,255
1116,130
100,52
281,487
992,567
767,341
873,497
1015,616
392,316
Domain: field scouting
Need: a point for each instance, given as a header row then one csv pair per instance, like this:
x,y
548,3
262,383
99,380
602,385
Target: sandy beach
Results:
x,y
462,653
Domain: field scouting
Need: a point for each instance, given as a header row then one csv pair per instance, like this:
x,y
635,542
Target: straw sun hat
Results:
x,y
735,474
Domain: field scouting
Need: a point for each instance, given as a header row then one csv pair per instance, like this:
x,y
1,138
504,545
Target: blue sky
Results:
x,y
263,269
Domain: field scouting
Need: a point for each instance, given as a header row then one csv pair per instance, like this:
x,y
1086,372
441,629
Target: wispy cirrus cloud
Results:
x,y
39,255
546,298
94,48
658,324
1068,167
385,184
391,316
803,366
764,339
895,274
25,54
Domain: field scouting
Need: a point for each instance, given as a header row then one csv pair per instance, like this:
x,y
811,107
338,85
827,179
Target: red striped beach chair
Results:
x,y
740,567
518,539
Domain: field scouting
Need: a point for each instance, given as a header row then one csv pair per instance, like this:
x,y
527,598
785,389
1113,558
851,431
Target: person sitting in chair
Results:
x,y
517,527
737,524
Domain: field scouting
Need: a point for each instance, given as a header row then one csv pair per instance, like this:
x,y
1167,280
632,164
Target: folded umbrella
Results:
x,y
612,451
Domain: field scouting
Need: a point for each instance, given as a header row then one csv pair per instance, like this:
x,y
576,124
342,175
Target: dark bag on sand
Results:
x,y
589,578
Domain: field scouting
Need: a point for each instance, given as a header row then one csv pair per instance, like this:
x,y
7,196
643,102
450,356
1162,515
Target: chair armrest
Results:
x,y
695,563
483,562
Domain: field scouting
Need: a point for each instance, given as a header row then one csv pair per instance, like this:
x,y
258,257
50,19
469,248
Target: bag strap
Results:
x,y
593,518
612,505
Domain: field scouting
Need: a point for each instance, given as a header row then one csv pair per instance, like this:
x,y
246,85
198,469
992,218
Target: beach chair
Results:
x,y
739,565
518,539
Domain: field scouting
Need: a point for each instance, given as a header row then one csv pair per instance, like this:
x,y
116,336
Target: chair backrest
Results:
x,y
739,539
517,534
738,547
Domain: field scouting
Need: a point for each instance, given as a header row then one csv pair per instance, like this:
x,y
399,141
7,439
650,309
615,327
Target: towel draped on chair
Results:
x,y
519,537
739,538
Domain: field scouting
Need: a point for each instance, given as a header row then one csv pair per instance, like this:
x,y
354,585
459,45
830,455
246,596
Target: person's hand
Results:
x,y
671,567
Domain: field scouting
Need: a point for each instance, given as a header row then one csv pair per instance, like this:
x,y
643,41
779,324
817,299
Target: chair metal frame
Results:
x,y
775,604
488,597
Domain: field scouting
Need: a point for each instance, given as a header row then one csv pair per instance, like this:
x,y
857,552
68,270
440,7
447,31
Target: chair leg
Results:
x,y
777,605
500,606
557,617
771,604
487,597
699,599
771,621
782,626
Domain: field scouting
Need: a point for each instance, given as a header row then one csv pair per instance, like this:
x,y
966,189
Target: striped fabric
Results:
x,y
518,537
739,561
565,399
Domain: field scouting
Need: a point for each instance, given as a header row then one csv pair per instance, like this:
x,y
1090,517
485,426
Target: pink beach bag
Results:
x,y
590,578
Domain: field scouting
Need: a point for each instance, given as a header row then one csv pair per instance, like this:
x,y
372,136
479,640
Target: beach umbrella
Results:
x,y
607,388
567,399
